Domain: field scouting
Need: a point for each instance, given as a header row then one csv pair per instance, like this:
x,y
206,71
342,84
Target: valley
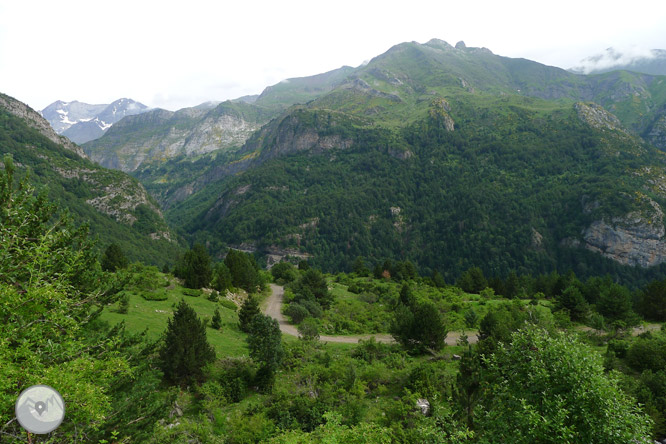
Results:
x,y
441,245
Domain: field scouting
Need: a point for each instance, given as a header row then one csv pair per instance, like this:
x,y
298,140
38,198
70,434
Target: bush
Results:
x,y
226,303
313,307
297,312
155,295
308,330
193,292
213,296
284,272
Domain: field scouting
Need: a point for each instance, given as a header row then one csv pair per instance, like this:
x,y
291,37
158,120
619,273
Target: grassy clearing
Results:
x,y
152,316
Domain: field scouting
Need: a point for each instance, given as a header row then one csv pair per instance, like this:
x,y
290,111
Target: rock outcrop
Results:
x,y
597,117
657,134
633,239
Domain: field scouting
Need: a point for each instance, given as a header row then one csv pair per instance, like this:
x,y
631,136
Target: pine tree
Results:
x,y
186,350
194,267
265,344
216,322
243,270
113,258
247,312
221,277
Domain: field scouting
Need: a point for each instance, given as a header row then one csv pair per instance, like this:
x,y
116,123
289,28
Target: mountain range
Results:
x,y
82,122
449,156
116,206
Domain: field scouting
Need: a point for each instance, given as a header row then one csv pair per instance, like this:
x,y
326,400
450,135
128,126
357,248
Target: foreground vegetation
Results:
x,y
125,381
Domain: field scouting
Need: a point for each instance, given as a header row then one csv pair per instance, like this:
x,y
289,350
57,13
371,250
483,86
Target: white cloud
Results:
x,y
174,54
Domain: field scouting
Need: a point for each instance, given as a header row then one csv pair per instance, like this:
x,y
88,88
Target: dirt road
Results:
x,y
273,306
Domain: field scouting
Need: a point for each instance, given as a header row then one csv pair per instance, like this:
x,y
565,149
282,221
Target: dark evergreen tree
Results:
x,y
303,265
284,271
652,301
438,279
186,349
243,270
113,258
359,267
265,344
194,267
572,300
406,295
472,280
419,328
313,286
221,277
247,313
377,271
216,322
468,386
615,303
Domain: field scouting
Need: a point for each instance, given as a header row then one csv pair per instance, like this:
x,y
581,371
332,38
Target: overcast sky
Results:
x,y
176,54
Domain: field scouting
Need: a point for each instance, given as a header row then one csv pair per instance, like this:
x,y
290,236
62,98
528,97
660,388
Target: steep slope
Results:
x,y
158,135
115,205
82,122
451,157
301,89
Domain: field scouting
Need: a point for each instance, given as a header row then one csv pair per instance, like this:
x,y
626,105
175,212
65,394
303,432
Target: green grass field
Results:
x,y
153,315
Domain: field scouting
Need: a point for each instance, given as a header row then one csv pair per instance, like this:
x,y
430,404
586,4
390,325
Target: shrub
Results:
x,y
155,295
226,303
308,330
313,307
193,292
297,312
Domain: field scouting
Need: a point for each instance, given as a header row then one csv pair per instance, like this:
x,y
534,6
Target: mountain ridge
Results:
x,y
89,121
116,206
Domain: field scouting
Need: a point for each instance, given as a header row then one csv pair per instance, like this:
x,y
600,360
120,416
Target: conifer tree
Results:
x,y
247,312
186,349
113,258
216,322
194,267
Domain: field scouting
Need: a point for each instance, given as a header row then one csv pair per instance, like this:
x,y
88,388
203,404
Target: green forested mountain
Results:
x,y
116,206
450,157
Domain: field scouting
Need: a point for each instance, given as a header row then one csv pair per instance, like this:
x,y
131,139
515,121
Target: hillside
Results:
x,y
159,135
116,206
450,157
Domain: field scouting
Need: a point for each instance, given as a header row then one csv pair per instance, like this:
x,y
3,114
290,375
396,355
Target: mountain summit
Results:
x,y
82,122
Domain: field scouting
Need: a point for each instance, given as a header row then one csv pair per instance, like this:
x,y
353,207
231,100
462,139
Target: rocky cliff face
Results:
x,y
159,135
657,134
597,117
634,239
36,121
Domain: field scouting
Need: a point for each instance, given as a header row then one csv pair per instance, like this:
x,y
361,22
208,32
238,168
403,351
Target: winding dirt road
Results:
x,y
273,306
